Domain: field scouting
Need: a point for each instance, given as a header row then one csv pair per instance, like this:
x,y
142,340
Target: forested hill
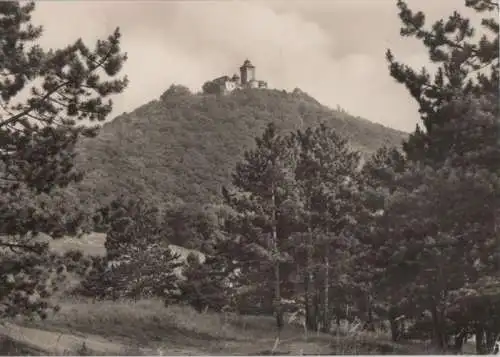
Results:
x,y
184,146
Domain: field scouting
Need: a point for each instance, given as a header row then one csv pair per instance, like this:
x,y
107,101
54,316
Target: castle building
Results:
x,y
246,79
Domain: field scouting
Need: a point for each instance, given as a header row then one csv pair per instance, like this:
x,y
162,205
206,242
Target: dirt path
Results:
x,y
62,343
66,343
59,343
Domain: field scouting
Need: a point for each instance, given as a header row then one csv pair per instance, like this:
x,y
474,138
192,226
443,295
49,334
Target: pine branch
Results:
x,y
38,249
28,110
45,97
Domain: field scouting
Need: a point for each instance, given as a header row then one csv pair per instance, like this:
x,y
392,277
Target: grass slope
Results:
x,y
185,146
148,327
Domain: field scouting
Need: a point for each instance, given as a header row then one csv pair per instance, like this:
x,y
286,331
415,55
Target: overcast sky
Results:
x,y
332,49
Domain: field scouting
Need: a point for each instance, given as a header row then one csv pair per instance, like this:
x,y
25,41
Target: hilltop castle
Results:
x,y
226,84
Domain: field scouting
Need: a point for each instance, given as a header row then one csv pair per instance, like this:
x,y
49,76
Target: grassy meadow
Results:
x,y
147,327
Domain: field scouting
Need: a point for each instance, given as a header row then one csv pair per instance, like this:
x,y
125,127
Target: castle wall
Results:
x,y
230,86
253,84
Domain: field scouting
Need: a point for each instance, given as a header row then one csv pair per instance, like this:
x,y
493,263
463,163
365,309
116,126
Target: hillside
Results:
x,y
184,146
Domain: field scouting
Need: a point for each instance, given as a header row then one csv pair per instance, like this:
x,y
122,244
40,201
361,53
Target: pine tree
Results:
x,y
478,302
205,285
473,157
379,180
467,65
456,158
263,184
143,265
428,254
477,153
326,181
440,225
44,95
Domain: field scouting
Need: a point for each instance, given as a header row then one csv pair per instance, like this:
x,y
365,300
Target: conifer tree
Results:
x,y
440,226
454,157
467,64
205,284
44,97
326,181
141,261
379,180
263,184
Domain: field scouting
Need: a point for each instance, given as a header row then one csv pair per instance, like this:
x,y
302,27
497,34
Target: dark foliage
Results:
x,y
205,285
139,260
38,135
184,146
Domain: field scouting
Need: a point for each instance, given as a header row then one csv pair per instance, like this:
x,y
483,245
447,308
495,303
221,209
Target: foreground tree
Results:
x,y
326,181
467,64
455,157
140,261
440,226
38,133
440,253
263,184
379,180
204,284
294,203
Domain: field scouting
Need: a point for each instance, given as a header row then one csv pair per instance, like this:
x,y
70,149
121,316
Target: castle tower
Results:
x,y
247,72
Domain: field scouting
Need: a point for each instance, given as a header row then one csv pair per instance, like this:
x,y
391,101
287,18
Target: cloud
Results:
x,y
333,50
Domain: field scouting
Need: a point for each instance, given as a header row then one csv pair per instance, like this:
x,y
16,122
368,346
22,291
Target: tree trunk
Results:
x,y
370,323
309,281
480,348
279,311
395,335
459,341
439,335
394,329
491,338
326,301
277,287
317,307
307,304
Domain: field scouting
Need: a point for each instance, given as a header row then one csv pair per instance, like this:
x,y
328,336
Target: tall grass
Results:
x,y
149,327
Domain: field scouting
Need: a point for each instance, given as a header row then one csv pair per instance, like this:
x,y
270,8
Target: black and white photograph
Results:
x,y
249,177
